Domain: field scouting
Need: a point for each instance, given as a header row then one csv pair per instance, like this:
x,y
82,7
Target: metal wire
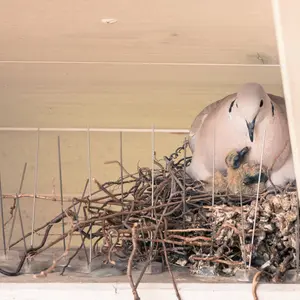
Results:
x,y
61,189
35,188
2,219
134,130
133,63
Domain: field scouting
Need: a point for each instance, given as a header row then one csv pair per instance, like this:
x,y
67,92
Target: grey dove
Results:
x,y
242,120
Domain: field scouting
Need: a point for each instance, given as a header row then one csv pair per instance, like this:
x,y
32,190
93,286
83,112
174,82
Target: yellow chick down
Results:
x,y
241,177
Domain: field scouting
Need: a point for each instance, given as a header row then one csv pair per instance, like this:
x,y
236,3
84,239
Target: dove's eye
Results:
x,y
261,103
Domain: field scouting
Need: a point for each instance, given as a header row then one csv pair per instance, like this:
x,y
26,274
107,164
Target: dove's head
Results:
x,y
252,104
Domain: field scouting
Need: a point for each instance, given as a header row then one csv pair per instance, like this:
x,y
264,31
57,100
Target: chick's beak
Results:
x,y
243,152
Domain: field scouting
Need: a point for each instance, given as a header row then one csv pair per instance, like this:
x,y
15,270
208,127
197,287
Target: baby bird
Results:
x,y
240,177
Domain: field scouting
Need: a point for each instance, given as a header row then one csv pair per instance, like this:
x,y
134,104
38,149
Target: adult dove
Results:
x,y
243,119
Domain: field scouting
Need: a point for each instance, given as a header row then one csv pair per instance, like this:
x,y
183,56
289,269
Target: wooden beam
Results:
x,y
287,25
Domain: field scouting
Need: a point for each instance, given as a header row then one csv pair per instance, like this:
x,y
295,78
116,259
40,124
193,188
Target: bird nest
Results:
x,y
163,215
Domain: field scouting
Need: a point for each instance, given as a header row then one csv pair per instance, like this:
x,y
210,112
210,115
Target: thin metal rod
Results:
x,y
132,63
61,189
2,219
35,188
213,190
121,164
184,177
243,228
152,178
135,130
18,210
257,195
152,164
90,190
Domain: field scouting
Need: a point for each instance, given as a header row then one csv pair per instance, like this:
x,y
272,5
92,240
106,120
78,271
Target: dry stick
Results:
x,y
18,210
189,230
255,284
61,190
170,270
257,196
130,262
39,251
35,188
2,219
41,227
34,250
124,170
82,238
82,196
152,239
76,252
55,261
217,260
90,191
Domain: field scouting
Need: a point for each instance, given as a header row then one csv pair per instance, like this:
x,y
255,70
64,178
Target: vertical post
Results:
x,y
2,219
35,187
287,23
61,190
90,191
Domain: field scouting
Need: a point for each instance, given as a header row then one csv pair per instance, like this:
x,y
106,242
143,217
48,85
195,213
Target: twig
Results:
x,y
170,271
255,284
76,252
130,262
66,252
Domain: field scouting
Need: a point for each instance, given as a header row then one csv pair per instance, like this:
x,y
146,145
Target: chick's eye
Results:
x,y
261,103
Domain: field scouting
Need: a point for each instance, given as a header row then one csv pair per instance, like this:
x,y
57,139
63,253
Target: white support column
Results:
x,y
287,27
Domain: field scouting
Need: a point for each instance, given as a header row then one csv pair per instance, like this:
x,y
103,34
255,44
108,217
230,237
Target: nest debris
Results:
x,y
171,218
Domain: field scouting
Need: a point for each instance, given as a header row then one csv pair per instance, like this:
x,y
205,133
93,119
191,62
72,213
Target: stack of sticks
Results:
x,y
161,214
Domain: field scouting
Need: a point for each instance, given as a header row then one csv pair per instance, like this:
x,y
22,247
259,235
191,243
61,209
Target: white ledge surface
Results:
x,y
147,291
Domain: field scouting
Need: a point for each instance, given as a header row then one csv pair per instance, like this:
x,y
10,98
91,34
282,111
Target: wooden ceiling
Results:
x,y
34,33
213,31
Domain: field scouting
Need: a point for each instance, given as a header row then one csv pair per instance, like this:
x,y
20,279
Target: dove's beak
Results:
x,y
250,127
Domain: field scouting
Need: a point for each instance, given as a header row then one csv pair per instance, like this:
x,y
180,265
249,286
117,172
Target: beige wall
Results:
x,y
117,95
